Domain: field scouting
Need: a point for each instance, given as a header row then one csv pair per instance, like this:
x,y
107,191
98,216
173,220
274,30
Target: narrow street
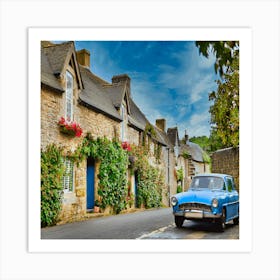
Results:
x,y
149,224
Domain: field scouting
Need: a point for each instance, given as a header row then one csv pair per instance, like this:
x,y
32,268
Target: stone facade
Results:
x,y
105,110
227,161
99,124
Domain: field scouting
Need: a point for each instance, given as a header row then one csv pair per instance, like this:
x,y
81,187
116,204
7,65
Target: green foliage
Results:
x,y
186,155
225,108
224,51
206,157
149,130
150,180
112,172
203,142
179,189
180,175
52,169
157,152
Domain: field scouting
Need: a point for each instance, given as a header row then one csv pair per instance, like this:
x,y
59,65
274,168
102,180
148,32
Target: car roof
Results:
x,y
212,175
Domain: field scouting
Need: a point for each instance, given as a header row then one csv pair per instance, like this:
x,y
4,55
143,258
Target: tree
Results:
x,y
202,141
225,109
225,52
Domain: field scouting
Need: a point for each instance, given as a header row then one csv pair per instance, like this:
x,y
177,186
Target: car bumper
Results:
x,y
197,214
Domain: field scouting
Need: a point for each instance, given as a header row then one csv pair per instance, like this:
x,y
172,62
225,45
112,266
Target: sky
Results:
x,y
169,79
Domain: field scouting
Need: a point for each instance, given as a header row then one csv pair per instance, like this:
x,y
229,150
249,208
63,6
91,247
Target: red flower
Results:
x,y
126,146
69,127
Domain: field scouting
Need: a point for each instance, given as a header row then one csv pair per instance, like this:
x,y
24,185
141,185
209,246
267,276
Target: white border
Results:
x,y
244,244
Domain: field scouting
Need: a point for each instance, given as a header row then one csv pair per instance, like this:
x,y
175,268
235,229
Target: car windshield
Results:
x,y
207,182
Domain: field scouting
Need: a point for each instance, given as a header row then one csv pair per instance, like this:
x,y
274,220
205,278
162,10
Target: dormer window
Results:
x,y
69,96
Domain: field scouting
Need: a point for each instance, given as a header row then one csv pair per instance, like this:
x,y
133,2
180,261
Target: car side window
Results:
x,y
230,184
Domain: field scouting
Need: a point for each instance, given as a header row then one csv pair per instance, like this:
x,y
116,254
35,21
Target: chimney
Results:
x,y
83,57
161,124
123,78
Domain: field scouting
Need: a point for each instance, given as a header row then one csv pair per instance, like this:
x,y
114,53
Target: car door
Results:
x,y
233,201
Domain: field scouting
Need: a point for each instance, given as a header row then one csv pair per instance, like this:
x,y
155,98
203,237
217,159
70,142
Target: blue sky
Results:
x,y
169,79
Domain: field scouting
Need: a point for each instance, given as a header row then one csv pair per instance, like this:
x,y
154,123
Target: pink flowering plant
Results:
x,y
70,127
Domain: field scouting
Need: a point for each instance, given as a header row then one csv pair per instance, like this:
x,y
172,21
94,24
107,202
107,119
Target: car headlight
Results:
x,y
215,202
174,201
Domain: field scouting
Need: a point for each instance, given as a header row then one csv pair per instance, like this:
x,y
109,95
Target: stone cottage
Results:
x,y
189,159
193,159
71,91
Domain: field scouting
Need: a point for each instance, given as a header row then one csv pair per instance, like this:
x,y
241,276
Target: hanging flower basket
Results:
x,y
69,128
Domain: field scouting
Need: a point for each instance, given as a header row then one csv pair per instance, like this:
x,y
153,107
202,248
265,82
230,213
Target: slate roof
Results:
x,y
57,55
115,93
193,149
94,94
162,137
136,117
47,74
54,60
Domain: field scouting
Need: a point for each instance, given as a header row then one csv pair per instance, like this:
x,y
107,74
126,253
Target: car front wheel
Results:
x,y
222,222
179,221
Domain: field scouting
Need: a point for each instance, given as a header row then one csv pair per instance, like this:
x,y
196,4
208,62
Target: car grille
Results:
x,y
195,206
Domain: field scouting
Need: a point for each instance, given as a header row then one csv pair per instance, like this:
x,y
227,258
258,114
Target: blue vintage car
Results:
x,y
211,197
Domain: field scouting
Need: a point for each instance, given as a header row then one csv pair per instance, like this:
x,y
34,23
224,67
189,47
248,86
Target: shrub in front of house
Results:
x,y
52,170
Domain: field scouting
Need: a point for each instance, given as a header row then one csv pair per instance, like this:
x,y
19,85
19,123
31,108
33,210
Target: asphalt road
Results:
x,y
149,224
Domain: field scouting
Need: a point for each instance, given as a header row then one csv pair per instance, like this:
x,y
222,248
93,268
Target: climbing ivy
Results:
x,y
150,180
52,169
149,130
112,172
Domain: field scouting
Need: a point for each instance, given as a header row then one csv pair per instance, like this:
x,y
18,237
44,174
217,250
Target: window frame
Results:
x,y
124,122
66,184
69,99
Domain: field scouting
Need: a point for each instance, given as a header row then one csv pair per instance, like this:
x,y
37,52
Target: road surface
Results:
x,y
149,224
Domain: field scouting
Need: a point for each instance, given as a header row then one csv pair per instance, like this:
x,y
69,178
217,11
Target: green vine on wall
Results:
x,y
52,169
112,172
150,180
113,190
149,130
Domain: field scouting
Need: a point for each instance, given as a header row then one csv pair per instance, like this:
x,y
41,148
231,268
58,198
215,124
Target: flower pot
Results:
x,y
66,131
96,209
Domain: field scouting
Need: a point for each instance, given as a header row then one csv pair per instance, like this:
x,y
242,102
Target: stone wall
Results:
x,y
52,108
133,136
227,161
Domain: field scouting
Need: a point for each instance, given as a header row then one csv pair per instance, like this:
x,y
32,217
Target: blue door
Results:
x,y
90,184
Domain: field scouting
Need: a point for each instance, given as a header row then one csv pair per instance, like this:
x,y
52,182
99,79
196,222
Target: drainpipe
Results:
x,y
168,175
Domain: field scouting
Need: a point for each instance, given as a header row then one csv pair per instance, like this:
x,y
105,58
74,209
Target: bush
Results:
x,y
52,169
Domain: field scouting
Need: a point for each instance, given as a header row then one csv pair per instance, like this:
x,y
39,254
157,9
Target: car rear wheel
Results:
x,y
236,220
179,221
222,222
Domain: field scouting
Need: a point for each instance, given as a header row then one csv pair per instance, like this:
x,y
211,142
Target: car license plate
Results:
x,y
194,214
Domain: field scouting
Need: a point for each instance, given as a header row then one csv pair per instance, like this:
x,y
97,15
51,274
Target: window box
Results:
x,y
69,128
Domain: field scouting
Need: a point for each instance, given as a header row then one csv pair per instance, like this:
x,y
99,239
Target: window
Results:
x,y
124,122
230,184
69,97
68,177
